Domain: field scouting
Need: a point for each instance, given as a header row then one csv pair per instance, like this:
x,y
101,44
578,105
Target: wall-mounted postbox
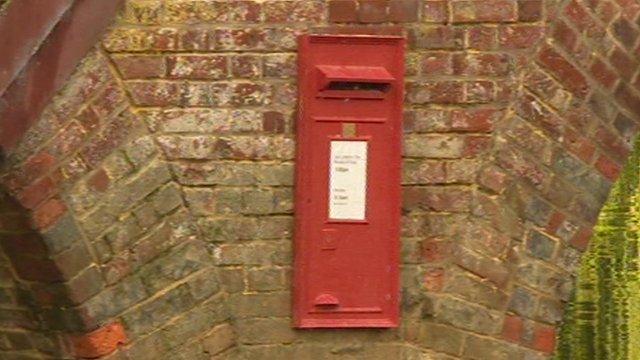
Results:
x,y
348,181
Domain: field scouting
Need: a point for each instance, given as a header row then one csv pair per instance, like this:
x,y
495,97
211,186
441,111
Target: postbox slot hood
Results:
x,y
355,82
363,74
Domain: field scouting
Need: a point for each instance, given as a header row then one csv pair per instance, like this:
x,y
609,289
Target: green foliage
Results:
x,y
602,320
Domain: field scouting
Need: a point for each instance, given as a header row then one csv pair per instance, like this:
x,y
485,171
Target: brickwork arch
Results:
x,y
170,150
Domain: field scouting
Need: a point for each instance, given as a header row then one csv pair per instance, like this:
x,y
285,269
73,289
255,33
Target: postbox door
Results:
x,y
348,182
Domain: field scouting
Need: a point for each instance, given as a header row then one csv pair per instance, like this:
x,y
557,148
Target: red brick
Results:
x,y
529,10
581,239
544,338
434,279
100,342
630,8
373,11
249,94
484,11
474,145
155,93
578,16
68,140
37,192
37,269
89,119
494,179
625,32
628,98
480,120
194,39
607,12
436,37
99,181
24,245
140,66
519,37
482,37
238,39
435,249
601,72
607,167
343,11
513,328
48,213
273,122
437,63
490,65
555,221
110,101
564,71
243,11
481,91
36,166
292,11
246,66
623,63
403,10
436,92
394,30
565,36
435,11
206,67
578,145
612,143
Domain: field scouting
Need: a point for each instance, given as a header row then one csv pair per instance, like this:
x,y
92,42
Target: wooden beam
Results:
x,y
50,67
24,24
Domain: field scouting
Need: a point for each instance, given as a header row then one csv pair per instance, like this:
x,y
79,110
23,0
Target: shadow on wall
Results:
x,y
30,281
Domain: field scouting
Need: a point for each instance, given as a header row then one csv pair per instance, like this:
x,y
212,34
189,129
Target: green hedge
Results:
x,y
602,320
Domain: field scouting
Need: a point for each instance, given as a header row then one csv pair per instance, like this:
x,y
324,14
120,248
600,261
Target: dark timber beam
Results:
x,y
24,24
76,32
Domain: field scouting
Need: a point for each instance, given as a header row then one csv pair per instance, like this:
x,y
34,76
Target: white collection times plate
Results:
x,y
348,180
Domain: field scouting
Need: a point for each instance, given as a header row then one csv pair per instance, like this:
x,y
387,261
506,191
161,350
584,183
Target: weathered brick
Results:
x,y
280,66
436,37
343,10
519,37
565,72
142,12
264,331
485,11
540,245
155,93
523,302
435,11
468,316
158,311
530,10
140,66
293,11
100,342
219,339
197,67
403,10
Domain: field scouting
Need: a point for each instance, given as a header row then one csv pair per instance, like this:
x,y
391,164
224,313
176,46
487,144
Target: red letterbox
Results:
x,y
348,181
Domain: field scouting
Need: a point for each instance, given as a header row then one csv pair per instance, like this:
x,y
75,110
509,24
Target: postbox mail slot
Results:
x,y
353,82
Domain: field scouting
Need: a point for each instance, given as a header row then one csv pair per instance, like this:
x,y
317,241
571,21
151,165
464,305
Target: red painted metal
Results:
x,y
346,269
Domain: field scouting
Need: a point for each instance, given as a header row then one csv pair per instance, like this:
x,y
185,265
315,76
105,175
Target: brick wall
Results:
x,y
160,178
